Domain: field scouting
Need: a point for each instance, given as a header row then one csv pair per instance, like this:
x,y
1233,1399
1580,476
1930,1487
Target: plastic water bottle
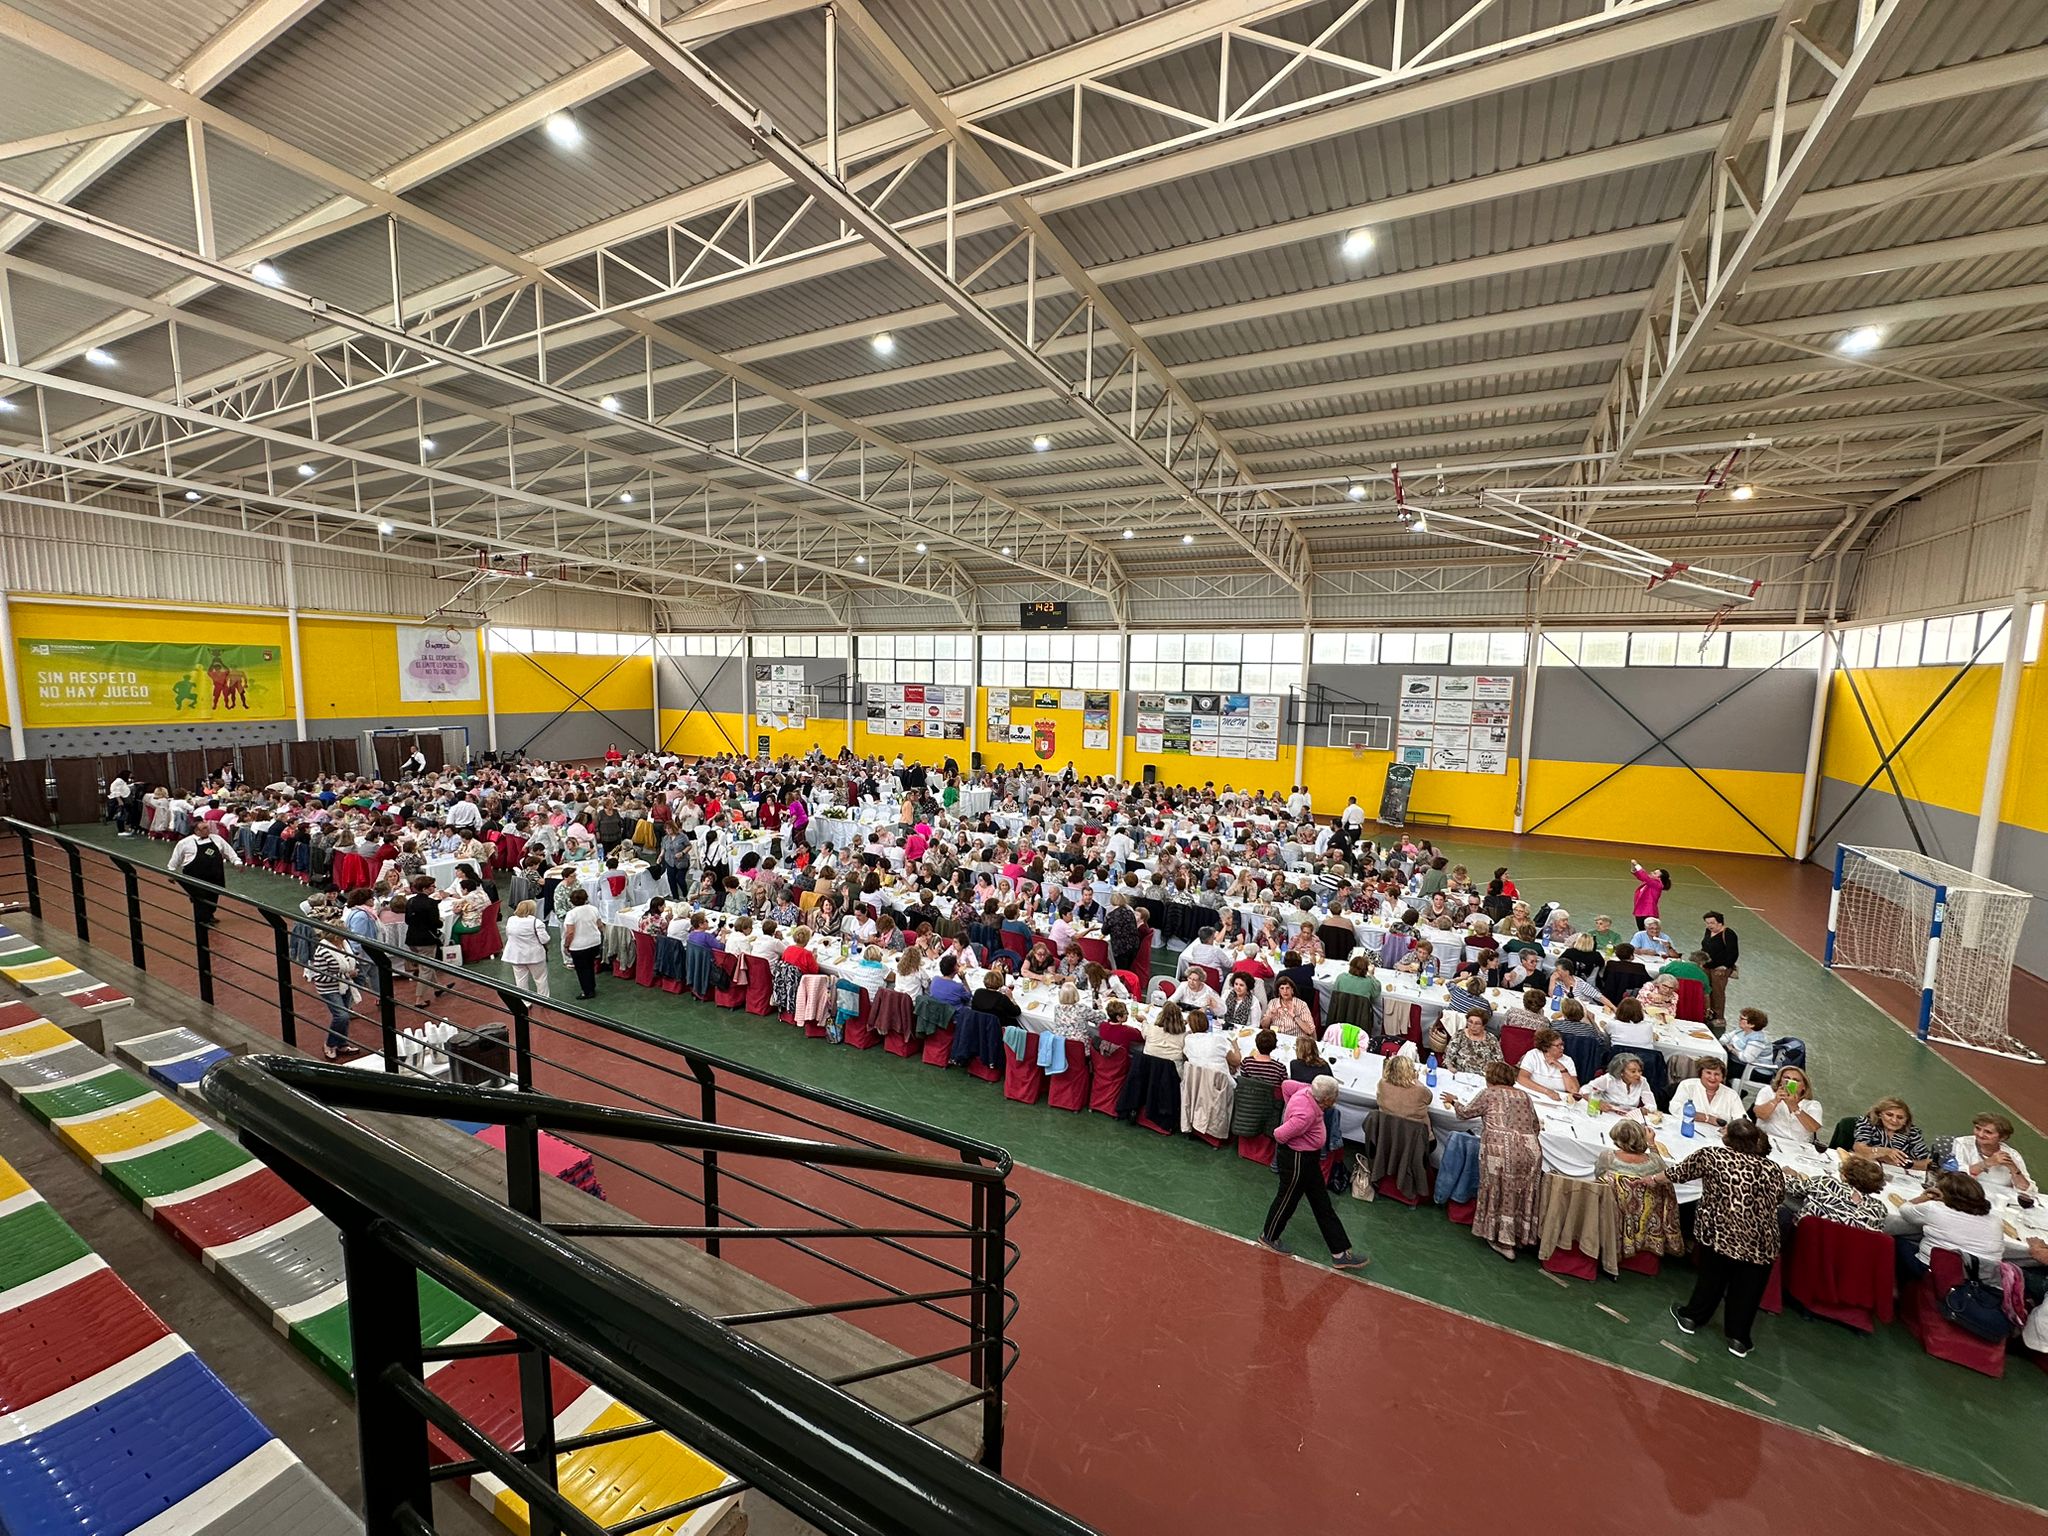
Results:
x,y
1430,1076
1429,968
1687,1128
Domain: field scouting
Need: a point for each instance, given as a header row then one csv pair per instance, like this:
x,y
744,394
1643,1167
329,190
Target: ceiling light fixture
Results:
x,y
266,273
427,445
1356,491
191,495
627,497
6,406
1040,443
760,559
860,559
1187,538
609,403
1130,534
739,565
99,357
386,529
563,131
1865,338
1742,493
1358,244
1006,549
920,549
307,471
1420,525
803,472
884,344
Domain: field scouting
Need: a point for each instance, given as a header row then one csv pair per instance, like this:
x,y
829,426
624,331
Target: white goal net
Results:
x,y
1936,927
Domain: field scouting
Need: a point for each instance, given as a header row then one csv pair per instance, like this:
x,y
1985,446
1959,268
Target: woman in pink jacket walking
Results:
x,y
1298,1159
1651,884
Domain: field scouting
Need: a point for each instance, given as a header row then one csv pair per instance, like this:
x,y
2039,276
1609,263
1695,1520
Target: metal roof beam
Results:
x,y
1710,263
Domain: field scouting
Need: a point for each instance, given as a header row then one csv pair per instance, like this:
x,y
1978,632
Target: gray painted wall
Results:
x,y
709,682
1762,727
1877,821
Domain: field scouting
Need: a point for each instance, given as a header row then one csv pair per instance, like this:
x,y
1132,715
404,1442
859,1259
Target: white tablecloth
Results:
x,y
974,801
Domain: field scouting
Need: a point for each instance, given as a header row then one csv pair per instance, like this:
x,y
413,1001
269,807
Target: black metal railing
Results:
x,y
920,1263
766,1424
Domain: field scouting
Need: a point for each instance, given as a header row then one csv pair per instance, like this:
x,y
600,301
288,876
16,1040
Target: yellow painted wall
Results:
x,y
351,673
1944,763
141,622
1647,804
1276,777
526,685
1067,735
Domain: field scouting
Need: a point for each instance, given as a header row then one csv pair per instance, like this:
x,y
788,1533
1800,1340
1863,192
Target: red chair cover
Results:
x,y
1391,1188
760,987
978,1068
1070,1089
350,873
1214,976
1132,984
1096,950
1642,1264
728,993
1692,1000
1937,1335
1461,1212
938,1047
1016,943
643,959
1256,1149
1111,1070
1516,1041
485,943
1774,1288
905,1046
1023,1077
1570,1261
1842,1273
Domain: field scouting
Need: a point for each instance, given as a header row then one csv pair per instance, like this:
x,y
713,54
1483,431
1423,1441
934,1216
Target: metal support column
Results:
x,y
974,722
1991,806
490,691
1531,662
852,689
17,738
654,677
1301,711
747,695
1816,734
1123,698
291,630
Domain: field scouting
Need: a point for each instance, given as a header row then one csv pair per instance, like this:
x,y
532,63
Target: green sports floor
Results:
x,y
1878,1393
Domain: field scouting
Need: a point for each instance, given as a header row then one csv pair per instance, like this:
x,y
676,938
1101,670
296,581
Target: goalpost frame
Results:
x,y
1934,926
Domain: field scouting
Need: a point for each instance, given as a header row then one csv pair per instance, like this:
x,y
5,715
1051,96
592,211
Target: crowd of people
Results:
x,y
929,874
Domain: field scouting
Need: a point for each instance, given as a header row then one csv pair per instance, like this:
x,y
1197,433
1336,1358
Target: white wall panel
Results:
x,y
1956,547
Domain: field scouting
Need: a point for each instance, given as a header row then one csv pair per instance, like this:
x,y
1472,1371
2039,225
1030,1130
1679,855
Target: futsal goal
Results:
x,y
1937,927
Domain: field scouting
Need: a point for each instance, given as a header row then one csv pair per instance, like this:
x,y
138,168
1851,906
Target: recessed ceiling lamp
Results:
x,y
1865,338
563,131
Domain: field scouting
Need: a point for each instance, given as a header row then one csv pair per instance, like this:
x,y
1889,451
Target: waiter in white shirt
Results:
x,y
1300,803
464,816
1354,815
119,792
414,765
203,856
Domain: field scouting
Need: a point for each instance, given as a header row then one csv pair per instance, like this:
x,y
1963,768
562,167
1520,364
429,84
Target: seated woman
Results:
x,y
1075,1017
1510,1161
1544,1072
1622,1087
1579,958
1986,1155
1629,1027
909,977
1420,960
1196,993
1402,1093
1256,1108
1713,1101
1888,1135
1852,1199
1287,1013
1241,1010
1647,1206
1166,1033
798,951
1954,1214
1473,1047
1039,962
1786,1108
